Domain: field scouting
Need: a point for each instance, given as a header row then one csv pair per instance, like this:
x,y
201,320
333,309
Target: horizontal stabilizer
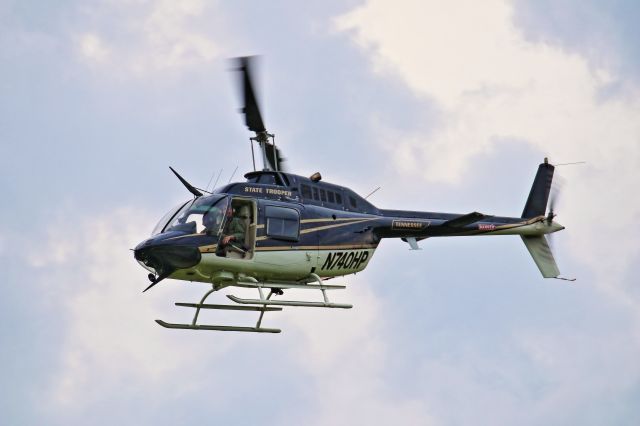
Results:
x,y
464,220
541,253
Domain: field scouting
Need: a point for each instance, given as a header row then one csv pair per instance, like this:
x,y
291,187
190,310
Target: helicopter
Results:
x,y
278,231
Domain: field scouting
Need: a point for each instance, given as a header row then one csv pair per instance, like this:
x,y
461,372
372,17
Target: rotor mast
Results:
x,y
263,140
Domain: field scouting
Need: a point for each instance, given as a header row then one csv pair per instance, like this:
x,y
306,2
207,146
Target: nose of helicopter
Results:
x,y
165,258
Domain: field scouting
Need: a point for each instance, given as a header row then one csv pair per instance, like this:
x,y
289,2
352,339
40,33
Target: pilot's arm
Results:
x,y
237,231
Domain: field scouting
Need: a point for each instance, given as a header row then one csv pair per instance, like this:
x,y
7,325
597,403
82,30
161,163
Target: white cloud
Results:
x,y
93,48
345,355
112,345
149,36
493,85
110,338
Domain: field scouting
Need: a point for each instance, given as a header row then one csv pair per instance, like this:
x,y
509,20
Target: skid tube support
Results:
x,y
202,305
301,303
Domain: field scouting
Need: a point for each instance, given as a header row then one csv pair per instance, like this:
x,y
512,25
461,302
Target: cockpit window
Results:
x,y
166,218
202,214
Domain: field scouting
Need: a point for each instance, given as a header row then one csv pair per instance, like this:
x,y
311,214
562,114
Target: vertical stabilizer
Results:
x,y
541,253
539,194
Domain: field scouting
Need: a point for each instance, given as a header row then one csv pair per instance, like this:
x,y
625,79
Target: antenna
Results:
x,y
216,182
234,172
372,192
210,179
571,164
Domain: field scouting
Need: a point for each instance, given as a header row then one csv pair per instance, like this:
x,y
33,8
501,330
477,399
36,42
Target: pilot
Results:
x,y
236,228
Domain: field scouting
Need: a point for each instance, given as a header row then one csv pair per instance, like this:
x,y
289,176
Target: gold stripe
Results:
x,y
330,219
208,249
212,248
320,228
334,247
506,226
184,236
519,224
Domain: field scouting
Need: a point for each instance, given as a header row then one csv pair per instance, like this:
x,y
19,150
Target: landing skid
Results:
x,y
218,327
262,304
290,303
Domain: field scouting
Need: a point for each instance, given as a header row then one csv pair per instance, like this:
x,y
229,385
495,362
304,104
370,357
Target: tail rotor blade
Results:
x,y
552,203
554,198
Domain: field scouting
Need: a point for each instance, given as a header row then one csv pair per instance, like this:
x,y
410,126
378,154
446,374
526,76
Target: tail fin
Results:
x,y
541,253
539,194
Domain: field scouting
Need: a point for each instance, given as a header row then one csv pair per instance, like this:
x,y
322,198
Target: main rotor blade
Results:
x,y
274,155
189,187
251,110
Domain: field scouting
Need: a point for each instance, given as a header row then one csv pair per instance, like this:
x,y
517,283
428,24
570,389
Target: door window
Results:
x,y
282,223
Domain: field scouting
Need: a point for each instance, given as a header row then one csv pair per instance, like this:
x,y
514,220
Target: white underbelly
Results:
x,y
281,264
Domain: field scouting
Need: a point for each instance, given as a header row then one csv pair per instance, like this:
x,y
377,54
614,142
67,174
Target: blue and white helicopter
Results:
x,y
278,231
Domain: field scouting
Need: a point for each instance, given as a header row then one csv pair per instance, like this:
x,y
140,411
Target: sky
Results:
x,y
447,106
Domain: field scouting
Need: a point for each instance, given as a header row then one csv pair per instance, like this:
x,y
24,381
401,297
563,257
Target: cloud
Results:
x,y
419,347
148,36
605,32
93,48
113,351
492,85
111,342
345,356
490,82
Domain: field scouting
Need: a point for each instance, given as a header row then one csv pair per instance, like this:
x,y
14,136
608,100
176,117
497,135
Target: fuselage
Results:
x,y
299,227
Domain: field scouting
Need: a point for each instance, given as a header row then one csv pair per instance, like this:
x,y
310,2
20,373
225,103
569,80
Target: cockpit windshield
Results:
x,y
201,214
162,223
